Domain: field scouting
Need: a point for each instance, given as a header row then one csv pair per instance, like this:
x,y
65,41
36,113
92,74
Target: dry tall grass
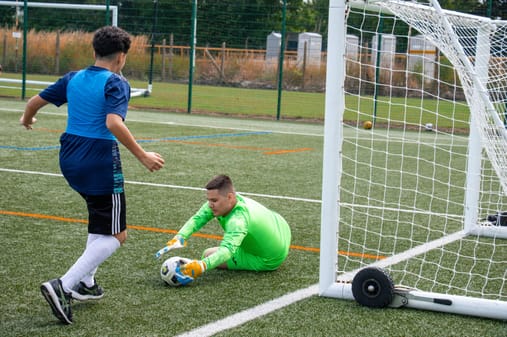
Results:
x,y
56,53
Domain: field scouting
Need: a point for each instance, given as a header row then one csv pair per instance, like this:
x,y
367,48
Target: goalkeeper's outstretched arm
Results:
x,y
188,272
196,222
176,242
193,269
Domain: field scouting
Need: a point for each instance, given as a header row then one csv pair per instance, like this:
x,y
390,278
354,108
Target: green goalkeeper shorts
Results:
x,y
242,260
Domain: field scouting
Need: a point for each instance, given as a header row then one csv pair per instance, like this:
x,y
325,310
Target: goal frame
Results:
x,y
112,8
340,286
135,92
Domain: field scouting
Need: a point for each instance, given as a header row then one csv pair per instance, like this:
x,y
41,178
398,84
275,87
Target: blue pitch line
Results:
x,y
43,148
220,135
55,147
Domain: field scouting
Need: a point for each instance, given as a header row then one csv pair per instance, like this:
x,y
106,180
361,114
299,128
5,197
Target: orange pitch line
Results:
x,y
267,151
289,151
172,231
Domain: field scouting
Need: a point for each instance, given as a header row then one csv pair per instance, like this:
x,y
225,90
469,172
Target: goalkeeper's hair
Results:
x,y
222,183
110,40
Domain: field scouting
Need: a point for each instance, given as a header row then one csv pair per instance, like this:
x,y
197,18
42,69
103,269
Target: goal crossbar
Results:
x,y
112,8
136,92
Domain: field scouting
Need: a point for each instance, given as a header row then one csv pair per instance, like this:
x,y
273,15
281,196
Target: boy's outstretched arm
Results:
x,y
151,160
32,107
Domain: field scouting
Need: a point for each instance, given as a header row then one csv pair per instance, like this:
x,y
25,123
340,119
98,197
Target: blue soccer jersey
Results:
x,y
91,93
89,154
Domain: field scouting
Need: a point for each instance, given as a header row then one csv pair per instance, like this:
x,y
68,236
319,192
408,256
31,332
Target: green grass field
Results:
x,y
43,231
262,103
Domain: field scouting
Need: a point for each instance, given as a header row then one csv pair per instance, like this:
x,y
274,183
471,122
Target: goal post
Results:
x,y
410,199
135,92
113,9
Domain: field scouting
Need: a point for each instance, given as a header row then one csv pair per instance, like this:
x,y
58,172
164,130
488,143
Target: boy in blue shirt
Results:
x,y
97,99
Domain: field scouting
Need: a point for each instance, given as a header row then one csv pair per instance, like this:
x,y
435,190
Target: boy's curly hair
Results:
x,y
110,40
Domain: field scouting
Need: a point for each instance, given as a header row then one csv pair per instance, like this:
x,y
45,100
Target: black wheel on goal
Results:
x,y
373,287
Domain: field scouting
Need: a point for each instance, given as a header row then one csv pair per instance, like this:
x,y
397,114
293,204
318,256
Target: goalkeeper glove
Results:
x,y
193,269
176,242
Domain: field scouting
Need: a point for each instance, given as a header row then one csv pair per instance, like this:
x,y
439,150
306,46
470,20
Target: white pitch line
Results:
x,y
278,129
252,313
243,193
170,186
32,172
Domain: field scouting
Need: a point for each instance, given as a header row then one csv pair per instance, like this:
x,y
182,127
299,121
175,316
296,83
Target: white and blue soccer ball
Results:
x,y
168,270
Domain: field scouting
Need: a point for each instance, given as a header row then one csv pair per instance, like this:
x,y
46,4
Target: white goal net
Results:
x,y
415,158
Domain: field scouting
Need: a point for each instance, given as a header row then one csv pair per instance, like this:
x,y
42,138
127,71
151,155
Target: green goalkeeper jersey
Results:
x,y
255,237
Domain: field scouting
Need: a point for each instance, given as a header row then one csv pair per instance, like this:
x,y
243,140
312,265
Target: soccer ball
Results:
x,y
367,125
168,270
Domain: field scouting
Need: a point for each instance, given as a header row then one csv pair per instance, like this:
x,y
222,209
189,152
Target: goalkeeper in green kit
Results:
x,y
255,237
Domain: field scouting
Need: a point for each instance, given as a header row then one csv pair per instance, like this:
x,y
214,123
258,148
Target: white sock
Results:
x,y
95,253
89,279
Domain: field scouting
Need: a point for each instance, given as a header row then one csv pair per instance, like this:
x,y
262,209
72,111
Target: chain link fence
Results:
x,y
237,48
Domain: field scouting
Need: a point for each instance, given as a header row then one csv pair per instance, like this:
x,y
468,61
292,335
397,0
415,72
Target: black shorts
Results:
x,y
106,213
